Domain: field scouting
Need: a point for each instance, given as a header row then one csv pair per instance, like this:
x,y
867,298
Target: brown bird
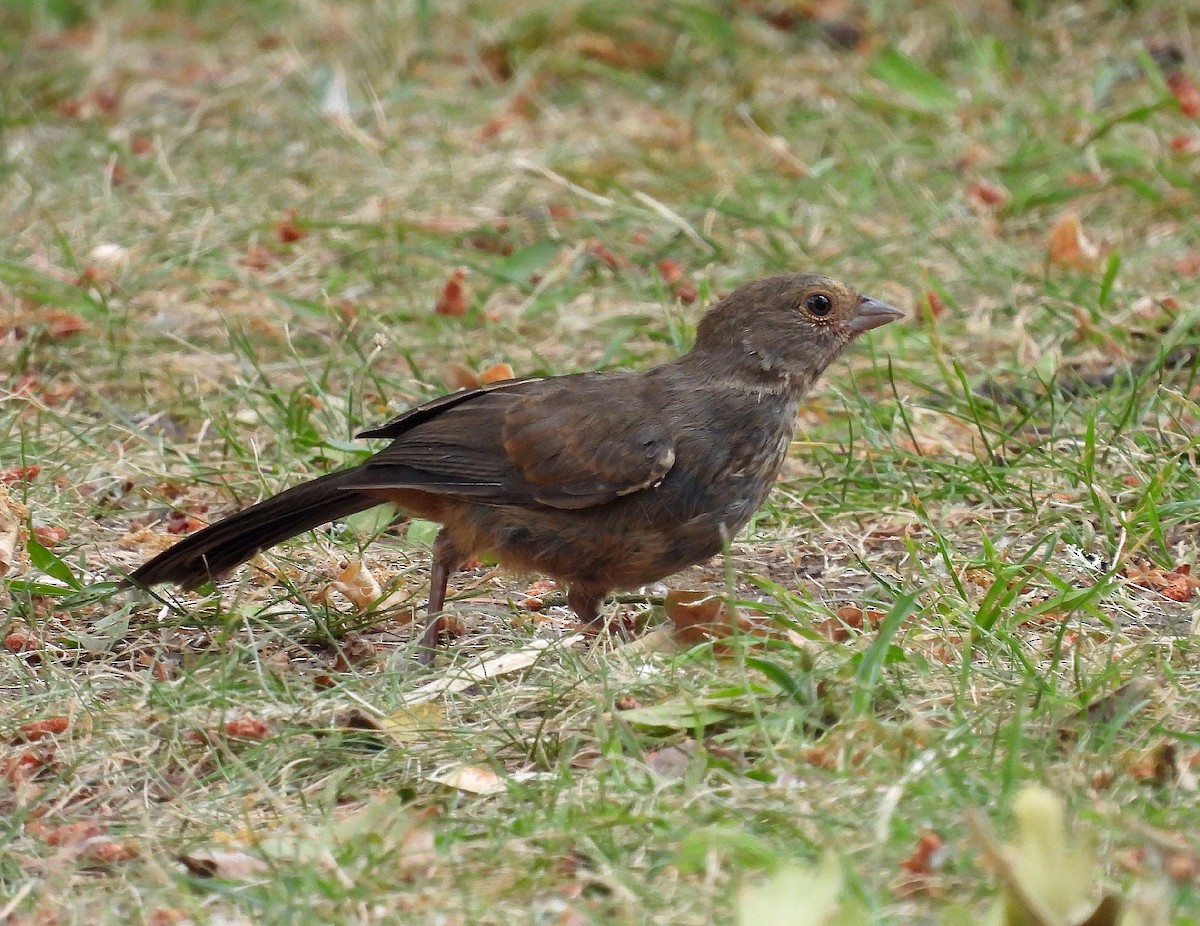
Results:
x,y
602,481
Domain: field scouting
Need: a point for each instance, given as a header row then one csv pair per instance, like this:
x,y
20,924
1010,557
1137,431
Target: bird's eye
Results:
x,y
818,304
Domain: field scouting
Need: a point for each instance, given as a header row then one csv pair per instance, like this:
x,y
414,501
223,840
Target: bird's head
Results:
x,y
790,326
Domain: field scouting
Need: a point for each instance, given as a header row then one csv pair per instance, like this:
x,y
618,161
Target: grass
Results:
x,y
226,229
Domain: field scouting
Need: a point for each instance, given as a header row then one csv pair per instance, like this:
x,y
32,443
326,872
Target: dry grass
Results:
x,y
226,230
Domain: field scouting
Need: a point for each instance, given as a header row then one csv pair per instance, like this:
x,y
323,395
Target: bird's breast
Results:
x,y
727,472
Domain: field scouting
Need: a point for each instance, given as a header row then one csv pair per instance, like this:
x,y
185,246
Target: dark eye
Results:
x,y
818,304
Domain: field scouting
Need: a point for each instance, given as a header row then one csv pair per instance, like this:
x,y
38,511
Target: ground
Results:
x,y
235,234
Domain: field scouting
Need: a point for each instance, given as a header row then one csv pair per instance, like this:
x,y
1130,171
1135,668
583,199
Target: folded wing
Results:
x,y
568,442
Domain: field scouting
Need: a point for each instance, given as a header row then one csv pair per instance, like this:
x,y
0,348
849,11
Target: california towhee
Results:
x,y
603,481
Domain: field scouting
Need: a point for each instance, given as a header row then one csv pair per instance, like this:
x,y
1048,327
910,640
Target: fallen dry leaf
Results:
x,y
417,851
87,841
699,616
228,864
20,642
606,256
497,372
357,584
921,866
1188,265
48,535
64,834
463,377
355,651
109,254
57,324
631,55
39,729
247,728
1186,93
987,194
26,383
257,257
22,767
850,619
1180,588
454,301
1070,246
1081,179
686,292
491,243
1185,144
20,474
1181,867
826,756
536,592
975,155
519,108
924,858
180,522
287,230
402,727
10,531
470,778
541,587
1178,584
105,850
90,105
670,270
681,287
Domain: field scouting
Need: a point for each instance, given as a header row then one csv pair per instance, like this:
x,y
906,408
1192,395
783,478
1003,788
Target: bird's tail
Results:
x,y
220,547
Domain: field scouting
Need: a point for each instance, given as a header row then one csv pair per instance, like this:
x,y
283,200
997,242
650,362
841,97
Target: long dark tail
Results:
x,y
220,547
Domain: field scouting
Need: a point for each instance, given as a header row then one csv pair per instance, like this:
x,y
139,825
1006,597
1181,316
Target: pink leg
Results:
x,y
446,560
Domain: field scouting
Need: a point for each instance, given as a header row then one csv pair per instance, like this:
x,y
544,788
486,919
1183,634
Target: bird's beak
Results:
x,y
872,314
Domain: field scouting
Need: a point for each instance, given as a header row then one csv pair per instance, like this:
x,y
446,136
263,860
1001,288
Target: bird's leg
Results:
x,y
585,601
447,557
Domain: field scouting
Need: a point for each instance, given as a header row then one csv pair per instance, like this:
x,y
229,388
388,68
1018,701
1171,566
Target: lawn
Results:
x,y
236,234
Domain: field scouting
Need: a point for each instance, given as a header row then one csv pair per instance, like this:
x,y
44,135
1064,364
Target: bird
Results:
x,y
603,481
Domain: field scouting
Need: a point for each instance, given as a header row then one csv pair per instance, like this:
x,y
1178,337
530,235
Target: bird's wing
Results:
x,y
566,442
408,420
